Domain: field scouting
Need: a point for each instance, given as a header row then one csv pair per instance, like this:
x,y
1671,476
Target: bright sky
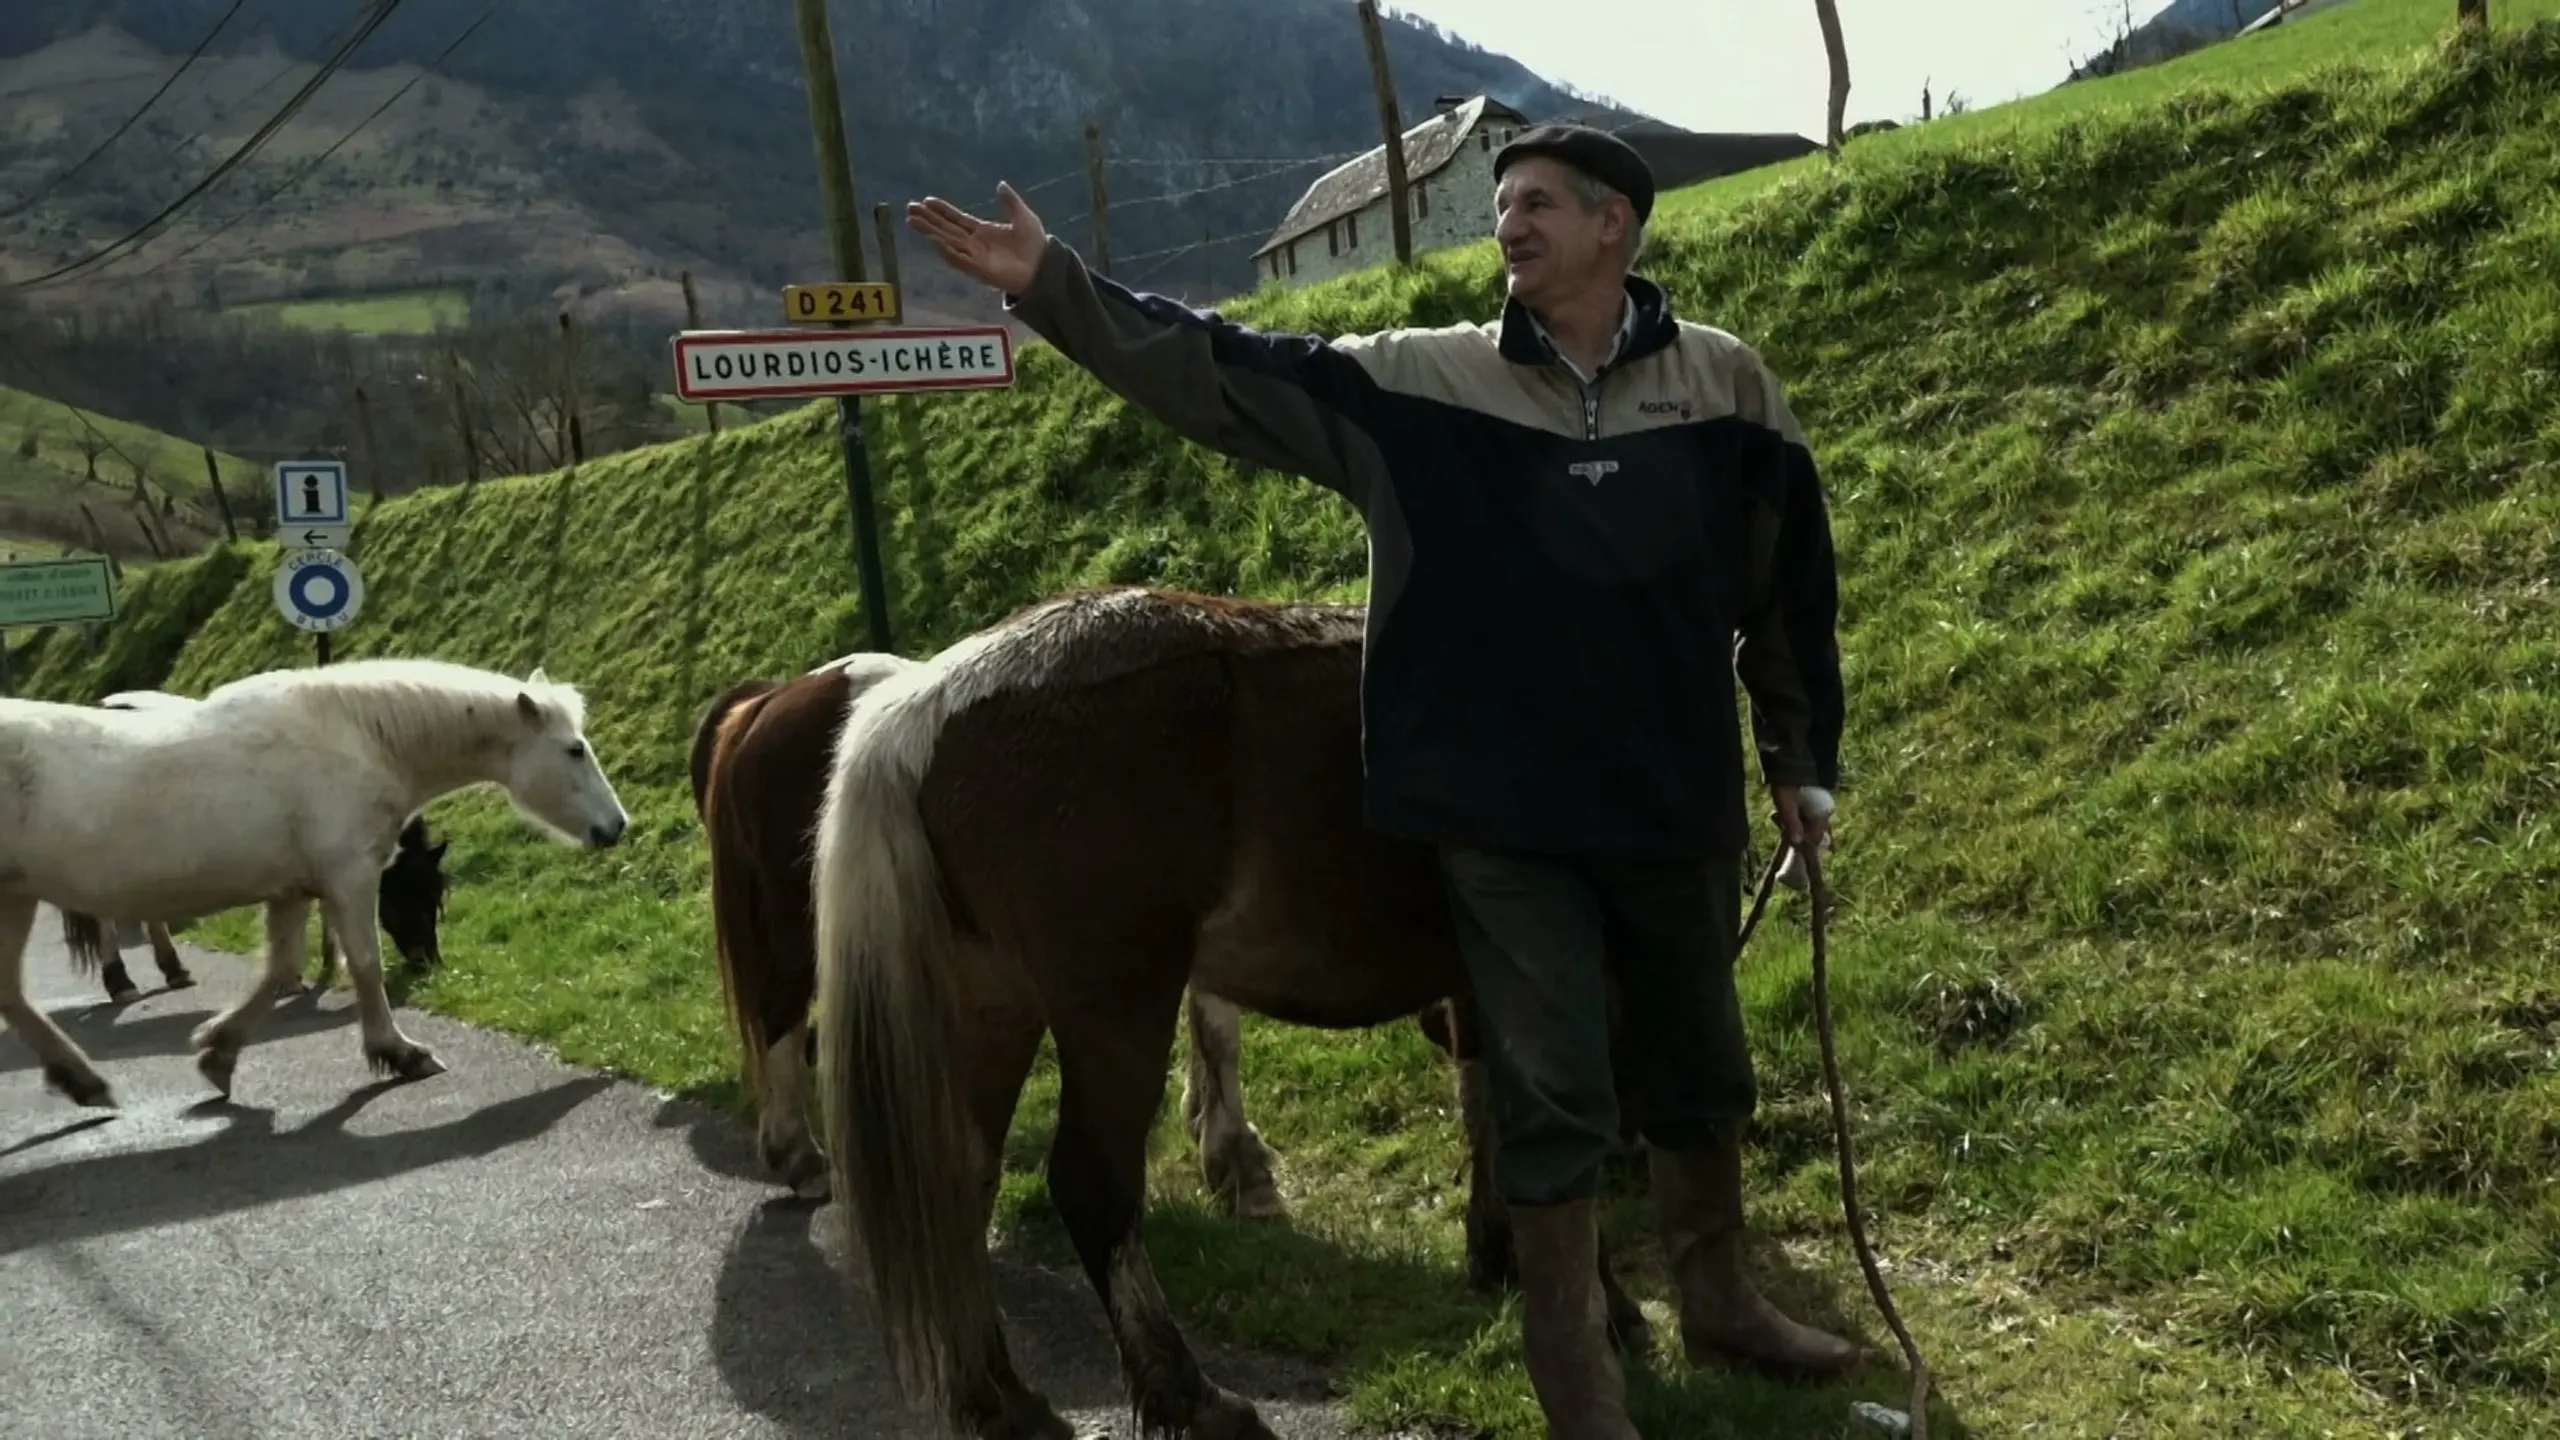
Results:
x,y
1759,64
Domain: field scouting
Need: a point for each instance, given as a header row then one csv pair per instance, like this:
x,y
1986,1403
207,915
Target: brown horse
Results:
x,y
411,901
759,762
1056,826
759,765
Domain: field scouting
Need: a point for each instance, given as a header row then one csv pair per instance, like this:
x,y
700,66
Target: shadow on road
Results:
x,y
249,1163
104,1032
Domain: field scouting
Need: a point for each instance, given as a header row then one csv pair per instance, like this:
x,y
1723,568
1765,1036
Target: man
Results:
x,y
1619,500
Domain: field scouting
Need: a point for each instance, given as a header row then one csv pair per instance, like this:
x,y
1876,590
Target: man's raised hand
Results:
x,y
1003,253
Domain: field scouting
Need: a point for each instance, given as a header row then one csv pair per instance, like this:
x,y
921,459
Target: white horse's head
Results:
x,y
554,778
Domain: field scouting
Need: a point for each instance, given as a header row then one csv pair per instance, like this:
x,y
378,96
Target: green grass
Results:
x,y
2196,476
397,312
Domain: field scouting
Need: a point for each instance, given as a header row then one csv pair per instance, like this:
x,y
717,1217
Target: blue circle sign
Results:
x,y
318,590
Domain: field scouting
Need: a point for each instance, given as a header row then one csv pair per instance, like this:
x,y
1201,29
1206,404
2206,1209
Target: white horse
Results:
x,y
412,892
275,790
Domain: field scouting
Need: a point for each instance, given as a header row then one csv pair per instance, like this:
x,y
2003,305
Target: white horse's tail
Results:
x,y
86,937
900,1142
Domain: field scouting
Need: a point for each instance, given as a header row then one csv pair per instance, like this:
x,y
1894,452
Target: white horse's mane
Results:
x,y
408,705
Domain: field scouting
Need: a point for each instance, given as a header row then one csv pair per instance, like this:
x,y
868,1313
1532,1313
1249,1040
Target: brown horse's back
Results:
x,y
1179,801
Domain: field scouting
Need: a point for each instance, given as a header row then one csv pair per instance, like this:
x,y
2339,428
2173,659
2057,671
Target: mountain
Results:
x,y
572,148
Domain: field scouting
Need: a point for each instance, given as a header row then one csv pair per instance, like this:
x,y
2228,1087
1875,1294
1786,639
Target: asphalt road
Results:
x,y
514,1248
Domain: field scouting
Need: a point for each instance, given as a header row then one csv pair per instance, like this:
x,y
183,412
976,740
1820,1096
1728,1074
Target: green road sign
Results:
x,y
56,592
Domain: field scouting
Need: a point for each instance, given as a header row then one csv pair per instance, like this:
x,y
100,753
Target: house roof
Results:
x,y
1344,189
1685,157
1677,157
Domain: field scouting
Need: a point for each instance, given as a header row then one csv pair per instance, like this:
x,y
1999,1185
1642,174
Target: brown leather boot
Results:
x,y
1564,1324
1697,1198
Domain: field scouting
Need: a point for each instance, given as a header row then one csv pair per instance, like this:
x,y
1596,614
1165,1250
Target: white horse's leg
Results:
x,y
1233,1158
218,1041
388,1050
164,950
66,1066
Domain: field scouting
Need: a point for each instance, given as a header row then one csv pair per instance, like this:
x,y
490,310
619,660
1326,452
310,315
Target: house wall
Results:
x,y
1452,207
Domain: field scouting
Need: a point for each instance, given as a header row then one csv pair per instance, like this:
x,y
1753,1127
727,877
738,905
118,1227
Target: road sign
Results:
x,y
318,590
311,492
868,300
314,537
780,364
57,592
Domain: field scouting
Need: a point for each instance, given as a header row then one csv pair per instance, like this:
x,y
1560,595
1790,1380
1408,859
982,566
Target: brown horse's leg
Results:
x,y
1234,1161
118,979
1111,1079
164,951
1003,1038
783,1141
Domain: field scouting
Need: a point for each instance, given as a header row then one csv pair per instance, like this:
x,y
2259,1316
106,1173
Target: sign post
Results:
x,y
74,590
316,588
848,360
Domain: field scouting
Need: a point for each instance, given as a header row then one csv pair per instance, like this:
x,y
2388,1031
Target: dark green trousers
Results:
x,y
1542,935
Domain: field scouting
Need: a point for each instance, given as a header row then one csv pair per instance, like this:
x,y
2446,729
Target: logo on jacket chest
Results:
x,y
1591,470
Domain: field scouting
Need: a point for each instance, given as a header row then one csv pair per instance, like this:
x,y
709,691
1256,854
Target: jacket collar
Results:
x,y
1651,328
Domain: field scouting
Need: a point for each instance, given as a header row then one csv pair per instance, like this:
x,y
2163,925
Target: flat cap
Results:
x,y
1596,153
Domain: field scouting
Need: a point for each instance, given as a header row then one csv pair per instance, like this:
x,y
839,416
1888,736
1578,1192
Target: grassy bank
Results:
x,y
2195,469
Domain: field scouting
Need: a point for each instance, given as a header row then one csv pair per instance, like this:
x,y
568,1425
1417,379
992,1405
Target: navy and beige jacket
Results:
x,y
1564,579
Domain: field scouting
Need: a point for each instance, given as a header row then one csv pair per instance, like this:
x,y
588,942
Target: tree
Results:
x,y
1828,12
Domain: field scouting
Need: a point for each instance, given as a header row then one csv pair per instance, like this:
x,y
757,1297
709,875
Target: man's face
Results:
x,y
1553,243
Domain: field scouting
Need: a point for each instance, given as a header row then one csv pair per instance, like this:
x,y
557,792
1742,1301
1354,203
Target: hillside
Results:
x,y
549,151
55,459
2195,469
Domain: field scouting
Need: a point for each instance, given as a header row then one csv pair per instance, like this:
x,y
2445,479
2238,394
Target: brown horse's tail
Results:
x,y
85,936
737,940
900,1145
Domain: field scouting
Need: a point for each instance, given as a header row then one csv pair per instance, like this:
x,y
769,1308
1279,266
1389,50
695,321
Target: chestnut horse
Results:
x,y
1056,826
759,761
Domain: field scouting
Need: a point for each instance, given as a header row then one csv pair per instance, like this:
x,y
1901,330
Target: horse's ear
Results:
x,y
435,852
539,676
526,708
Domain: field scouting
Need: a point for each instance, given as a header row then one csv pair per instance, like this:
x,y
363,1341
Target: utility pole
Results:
x,y
1101,198
693,321
844,230
1384,80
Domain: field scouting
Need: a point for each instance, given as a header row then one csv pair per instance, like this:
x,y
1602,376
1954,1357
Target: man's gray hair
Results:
x,y
1595,193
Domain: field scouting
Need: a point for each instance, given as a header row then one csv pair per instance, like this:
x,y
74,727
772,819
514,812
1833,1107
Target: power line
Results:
x,y
373,21
129,121
1279,168
314,162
